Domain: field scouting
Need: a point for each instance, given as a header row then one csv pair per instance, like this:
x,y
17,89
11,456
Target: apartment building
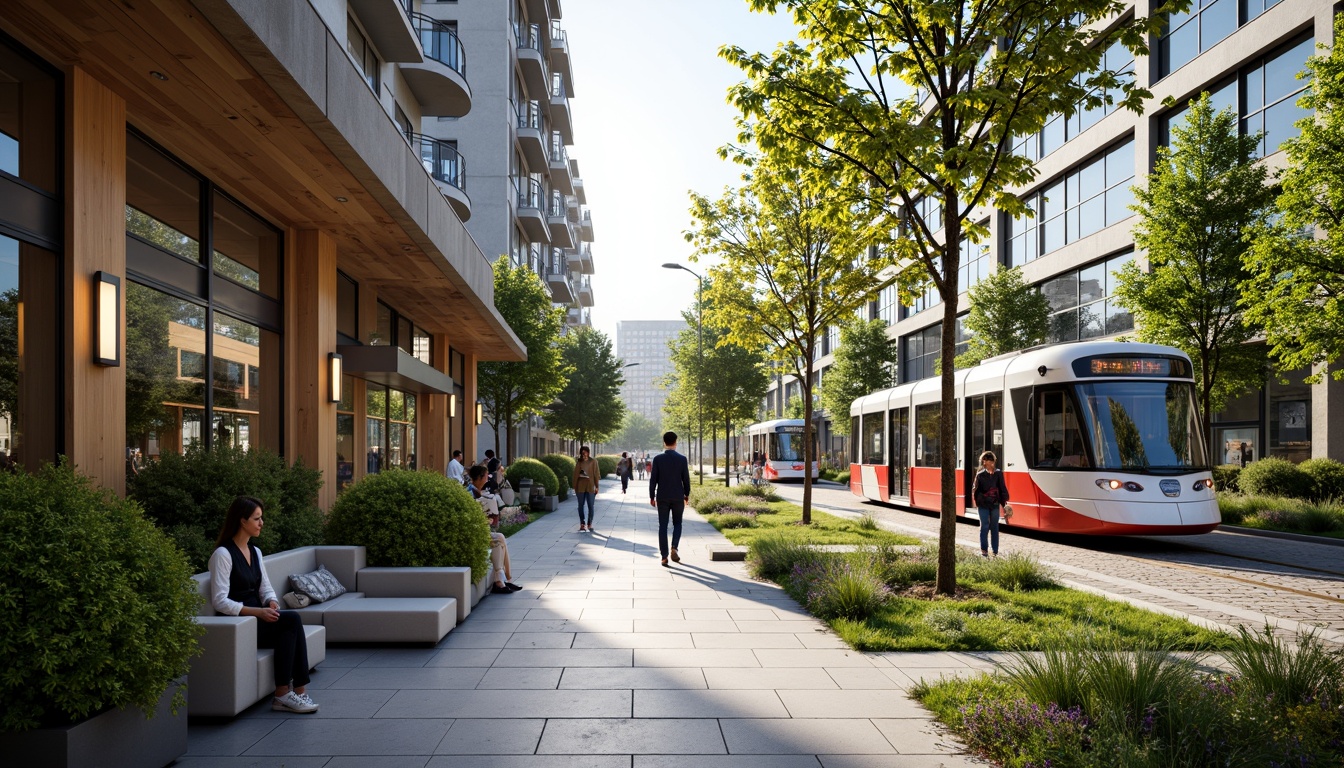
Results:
x,y
643,346
522,189
1246,56
216,230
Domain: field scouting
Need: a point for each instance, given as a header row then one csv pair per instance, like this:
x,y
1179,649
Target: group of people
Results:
x,y
669,489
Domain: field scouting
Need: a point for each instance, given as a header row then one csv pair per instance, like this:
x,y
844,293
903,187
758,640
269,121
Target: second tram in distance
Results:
x,y
1092,437
779,444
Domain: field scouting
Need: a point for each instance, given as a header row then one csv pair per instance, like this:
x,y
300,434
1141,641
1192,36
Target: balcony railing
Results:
x,y
558,207
442,160
440,42
559,153
530,193
558,36
528,35
529,115
557,85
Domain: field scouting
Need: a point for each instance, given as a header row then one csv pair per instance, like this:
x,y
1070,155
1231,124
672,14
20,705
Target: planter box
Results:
x,y
550,503
120,738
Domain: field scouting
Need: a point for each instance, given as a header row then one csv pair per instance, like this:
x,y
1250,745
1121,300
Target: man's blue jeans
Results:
x,y
589,498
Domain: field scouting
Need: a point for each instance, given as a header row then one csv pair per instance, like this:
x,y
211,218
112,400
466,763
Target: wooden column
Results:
x,y
310,335
468,408
433,415
95,239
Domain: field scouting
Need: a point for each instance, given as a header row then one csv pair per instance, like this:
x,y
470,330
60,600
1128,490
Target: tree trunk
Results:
x,y
510,437
946,583
807,448
727,451
714,450
496,423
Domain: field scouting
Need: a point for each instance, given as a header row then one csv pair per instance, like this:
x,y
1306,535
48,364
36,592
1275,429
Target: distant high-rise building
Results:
x,y
645,342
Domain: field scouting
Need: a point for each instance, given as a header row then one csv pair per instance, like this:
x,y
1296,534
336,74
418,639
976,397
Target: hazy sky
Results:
x,y
649,114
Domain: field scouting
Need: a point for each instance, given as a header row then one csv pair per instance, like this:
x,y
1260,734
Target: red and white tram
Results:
x,y
780,444
1093,438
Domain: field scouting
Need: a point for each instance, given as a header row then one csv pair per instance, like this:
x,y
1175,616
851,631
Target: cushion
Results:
x,y
318,586
294,600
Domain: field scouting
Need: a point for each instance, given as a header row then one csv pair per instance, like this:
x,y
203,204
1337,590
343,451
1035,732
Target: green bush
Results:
x,y
1327,478
842,589
561,465
1275,477
1016,572
186,494
406,518
97,602
735,520
607,464
1275,668
775,554
842,477
764,492
1226,478
538,472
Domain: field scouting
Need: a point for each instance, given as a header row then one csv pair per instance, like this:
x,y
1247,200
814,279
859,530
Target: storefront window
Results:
x,y
165,373
345,434
1290,416
347,307
389,429
246,248
29,138
29,366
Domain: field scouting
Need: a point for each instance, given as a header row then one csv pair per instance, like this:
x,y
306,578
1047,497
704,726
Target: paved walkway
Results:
x,y
607,659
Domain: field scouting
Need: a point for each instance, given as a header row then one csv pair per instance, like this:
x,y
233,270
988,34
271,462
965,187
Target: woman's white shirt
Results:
x,y
221,569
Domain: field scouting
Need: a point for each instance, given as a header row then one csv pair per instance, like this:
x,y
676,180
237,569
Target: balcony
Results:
x,y
585,285
557,277
577,317
562,230
579,193
440,81
559,50
388,24
532,134
449,171
581,259
586,226
543,9
560,117
532,59
560,178
530,208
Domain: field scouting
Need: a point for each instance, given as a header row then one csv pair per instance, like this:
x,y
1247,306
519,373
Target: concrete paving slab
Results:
x,y
530,761
813,657
857,679
353,737
804,737
707,703
574,625
521,678
540,640
382,678
917,736
791,626
475,640
744,640
463,657
565,657
682,625
361,703
727,761
367,761
191,761
695,657
851,704
633,678
632,737
774,679
346,657
399,657
478,624
491,737
633,640
507,704
233,738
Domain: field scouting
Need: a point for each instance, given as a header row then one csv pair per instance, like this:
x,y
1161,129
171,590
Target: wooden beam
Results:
x,y
310,336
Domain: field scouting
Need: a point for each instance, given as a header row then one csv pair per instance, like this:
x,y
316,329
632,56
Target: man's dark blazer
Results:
x,y
670,478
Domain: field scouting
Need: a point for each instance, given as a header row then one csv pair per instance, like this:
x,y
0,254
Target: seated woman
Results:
x,y
239,587
499,546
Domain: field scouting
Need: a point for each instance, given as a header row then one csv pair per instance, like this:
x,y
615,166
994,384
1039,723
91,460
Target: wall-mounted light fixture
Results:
x,y
452,405
107,313
336,373
480,412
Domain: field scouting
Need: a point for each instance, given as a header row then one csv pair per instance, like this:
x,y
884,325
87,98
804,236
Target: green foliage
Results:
x,y
419,519
1275,477
514,390
589,407
96,604
151,361
561,465
539,472
606,464
638,432
1292,673
1227,478
1205,193
835,588
764,492
1276,513
1327,478
1016,572
1055,675
729,520
187,494
842,477
775,555
1007,314
864,363
1297,292
867,522
795,408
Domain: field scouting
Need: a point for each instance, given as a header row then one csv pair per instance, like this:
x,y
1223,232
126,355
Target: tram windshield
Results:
x,y
787,445
1143,425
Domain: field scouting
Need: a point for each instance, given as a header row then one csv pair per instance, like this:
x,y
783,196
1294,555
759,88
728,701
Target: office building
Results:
x,y
643,345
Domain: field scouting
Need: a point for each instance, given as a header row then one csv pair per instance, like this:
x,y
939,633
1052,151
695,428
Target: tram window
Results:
x,y
872,439
1059,440
854,441
927,420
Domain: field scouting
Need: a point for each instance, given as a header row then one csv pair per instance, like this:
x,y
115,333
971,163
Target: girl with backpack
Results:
x,y
990,493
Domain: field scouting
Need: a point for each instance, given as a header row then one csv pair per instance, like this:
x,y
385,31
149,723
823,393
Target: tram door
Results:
x,y
899,460
984,432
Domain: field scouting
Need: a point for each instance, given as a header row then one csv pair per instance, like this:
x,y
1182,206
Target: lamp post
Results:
x,y
700,351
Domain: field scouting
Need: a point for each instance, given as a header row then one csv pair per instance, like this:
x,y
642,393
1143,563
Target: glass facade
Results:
x,y
1088,199
1080,303
1059,129
919,354
389,429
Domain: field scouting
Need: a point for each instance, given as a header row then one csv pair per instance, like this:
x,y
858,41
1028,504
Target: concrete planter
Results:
x,y
550,503
120,738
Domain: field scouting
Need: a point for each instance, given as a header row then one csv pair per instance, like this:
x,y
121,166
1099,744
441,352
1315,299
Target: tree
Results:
x,y
1006,315
1203,197
638,433
794,250
728,379
920,103
512,391
864,363
590,406
794,408
1297,288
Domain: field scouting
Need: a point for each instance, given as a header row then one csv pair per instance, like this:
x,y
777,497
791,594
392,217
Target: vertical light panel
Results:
x,y
335,373
107,348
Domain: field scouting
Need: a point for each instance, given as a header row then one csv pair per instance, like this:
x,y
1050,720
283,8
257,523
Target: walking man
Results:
x,y
669,490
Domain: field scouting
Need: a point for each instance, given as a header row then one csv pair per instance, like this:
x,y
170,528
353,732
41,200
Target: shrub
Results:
x,y
1016,572
186,494
735,520
1272,667
776,554
98,603
764,492
1017,728
406,518
562,466
1056,675
1275,477
1327,478
1226,477
867,522
1125,687
538,472
902,569
840,589
607,464
842,477
946,621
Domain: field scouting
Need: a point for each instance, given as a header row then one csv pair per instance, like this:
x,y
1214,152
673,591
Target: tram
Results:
x,y
1098,438
780,444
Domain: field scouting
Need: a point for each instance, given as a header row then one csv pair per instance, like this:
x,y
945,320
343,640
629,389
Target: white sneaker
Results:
x,y
294,702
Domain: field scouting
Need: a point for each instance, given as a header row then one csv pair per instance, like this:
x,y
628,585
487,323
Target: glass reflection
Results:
x,y
165,374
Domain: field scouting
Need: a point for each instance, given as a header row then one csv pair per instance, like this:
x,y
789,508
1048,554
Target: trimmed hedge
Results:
x,y
539,472
407,518
98,603
1275,477
1327,478
1226,477
562,466
606,464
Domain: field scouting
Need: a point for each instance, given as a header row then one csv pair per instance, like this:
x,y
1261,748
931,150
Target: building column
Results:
x,y
433,416
1327,434
95,239
469,394
310,336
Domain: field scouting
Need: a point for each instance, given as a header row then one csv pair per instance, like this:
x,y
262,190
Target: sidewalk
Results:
x,y
607,659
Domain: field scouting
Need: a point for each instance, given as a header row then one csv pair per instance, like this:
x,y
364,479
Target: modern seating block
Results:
x,y
231,673
391,619
454,582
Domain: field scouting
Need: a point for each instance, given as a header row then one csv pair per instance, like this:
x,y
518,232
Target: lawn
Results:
x,y
1273,513
747,514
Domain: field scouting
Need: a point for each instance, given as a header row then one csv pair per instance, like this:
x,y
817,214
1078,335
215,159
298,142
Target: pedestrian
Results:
x,y
669,491
586,473
991,494
623,470
639,465
456,471
499,546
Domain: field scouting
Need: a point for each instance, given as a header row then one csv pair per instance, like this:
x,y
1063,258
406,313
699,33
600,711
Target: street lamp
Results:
x,y
700,351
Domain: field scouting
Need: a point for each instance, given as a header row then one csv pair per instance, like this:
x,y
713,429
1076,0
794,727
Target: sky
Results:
x,y
650,114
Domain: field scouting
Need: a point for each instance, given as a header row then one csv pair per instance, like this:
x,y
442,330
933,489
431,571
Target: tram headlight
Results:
x,y
1204,482
1116,485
